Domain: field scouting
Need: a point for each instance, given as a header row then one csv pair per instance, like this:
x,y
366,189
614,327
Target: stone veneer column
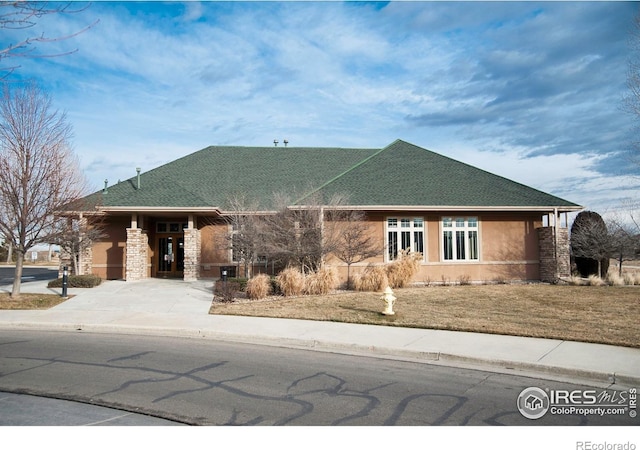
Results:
x,y
136,253
554,253
86,261
191,254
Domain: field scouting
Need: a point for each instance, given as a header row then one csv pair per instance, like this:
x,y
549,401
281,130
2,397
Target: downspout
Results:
x,y
322,237
555,242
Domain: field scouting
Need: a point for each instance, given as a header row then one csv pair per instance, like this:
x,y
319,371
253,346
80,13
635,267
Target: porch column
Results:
x,y
191,251
553,244
136,252
85,251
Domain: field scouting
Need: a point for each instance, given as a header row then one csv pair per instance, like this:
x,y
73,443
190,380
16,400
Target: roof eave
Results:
x,y
162,209
452,208
560,209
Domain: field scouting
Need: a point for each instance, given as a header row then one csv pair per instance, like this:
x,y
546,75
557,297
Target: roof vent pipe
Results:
x,y
138,170
106,182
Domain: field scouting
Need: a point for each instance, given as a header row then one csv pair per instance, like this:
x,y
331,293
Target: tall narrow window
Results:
x,y
418,236
472,237
404,234
460,239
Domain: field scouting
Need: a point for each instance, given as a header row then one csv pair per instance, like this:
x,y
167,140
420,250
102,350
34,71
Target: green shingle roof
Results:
x,y
400,174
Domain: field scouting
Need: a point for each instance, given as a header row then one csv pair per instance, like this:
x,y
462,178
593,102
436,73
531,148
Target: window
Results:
x,y
460,238
404,234
173,227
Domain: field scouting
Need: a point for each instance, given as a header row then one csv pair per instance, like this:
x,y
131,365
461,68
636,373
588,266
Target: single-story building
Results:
x,y
465,222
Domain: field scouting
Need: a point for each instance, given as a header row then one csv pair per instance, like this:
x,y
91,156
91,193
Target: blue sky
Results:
x,y
530,91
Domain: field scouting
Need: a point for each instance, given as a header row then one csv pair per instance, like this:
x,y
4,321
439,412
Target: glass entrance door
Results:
x,y
170,256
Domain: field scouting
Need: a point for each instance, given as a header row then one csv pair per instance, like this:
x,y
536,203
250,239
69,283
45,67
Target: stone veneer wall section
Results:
x,y
136,254
65,260
192,239
86,263
554,260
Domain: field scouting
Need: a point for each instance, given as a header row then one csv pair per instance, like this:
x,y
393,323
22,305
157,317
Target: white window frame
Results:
x,y
459,239
408,231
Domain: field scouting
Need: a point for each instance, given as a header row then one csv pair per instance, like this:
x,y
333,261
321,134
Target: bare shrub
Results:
x,y
259,287
226,291
500,280
464,280
373,278
291,281
401,271
321,282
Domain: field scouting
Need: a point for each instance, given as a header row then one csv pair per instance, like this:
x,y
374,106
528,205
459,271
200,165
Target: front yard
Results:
x,y
601,314
30,301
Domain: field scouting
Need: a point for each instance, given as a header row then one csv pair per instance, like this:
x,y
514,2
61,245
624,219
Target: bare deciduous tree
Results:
x,y
624,228
299,235
625,243
354,243
632,98
293,235
39,173
24,15
76,235
245,239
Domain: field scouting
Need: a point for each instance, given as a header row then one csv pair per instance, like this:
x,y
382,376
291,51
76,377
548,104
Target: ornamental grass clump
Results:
x,y
575,281
632,278
258,287
321,282
629,279
614,279
595,280
401,271
290,281
372,278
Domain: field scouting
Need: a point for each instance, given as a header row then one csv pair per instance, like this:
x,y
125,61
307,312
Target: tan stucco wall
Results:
x,y
109,252
214,245
508,247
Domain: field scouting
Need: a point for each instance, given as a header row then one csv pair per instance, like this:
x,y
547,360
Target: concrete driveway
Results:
x,y
153,295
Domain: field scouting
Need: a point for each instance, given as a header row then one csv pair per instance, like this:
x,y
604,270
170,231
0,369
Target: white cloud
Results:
x,y
525,90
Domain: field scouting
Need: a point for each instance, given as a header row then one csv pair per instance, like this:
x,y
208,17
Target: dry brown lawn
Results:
x,y
30,301
607,314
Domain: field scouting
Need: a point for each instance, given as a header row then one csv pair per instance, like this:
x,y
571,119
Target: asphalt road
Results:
x,y
205,382
30,410
28,274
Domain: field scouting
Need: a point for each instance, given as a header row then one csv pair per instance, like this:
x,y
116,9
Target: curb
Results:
x,y
555,373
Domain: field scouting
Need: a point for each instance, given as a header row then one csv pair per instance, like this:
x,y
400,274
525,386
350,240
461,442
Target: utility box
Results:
x,y
227,272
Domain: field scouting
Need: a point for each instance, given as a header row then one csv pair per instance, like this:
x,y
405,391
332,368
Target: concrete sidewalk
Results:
x,y
179,308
